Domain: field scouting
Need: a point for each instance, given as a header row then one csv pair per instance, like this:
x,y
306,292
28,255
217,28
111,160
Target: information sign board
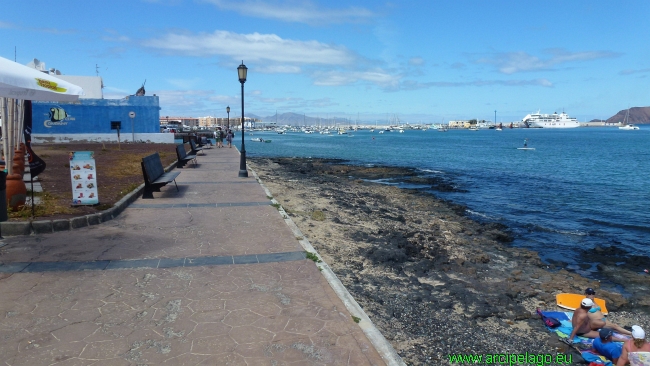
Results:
x,y
83,173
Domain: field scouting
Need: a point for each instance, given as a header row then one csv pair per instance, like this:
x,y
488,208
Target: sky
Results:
x,y
423,61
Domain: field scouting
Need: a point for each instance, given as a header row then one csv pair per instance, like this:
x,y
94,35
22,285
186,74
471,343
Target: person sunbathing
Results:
x,y
606,347
581,323
635,349
597,319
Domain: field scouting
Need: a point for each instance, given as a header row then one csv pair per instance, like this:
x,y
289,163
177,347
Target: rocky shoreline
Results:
x,y
433,281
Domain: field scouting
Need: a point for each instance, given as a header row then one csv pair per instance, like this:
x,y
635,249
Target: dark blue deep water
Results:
x,y
579,188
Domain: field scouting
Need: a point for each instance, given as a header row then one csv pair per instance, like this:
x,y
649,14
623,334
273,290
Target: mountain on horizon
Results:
x,y
638,115
295,119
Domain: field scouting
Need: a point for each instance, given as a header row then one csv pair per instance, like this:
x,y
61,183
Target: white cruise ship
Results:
x,y
538,120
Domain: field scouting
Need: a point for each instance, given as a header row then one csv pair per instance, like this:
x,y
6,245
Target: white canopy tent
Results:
x,y
19,83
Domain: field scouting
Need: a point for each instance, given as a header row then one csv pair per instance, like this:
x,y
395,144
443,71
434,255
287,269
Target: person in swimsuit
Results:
x,y
581,323
597,319
634,345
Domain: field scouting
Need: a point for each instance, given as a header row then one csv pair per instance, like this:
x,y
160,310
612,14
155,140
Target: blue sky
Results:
x,y
425,61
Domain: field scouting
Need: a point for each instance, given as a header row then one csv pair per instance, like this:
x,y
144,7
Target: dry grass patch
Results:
x,y
50,205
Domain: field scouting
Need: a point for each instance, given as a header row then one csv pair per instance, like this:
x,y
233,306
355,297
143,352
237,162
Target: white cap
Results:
x,y
587,302
637,332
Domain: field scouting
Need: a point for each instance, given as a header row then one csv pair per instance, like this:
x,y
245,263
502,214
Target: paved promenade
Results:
x,y
207,275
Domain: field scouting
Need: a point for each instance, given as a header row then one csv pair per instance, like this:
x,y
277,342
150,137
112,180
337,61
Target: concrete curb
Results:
x,y
383,347
14,228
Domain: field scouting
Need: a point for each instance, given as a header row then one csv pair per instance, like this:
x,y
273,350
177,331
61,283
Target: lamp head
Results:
x,y
228,109
242,70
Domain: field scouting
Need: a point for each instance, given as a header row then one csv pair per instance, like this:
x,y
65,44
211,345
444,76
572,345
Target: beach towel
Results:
x,y
585,345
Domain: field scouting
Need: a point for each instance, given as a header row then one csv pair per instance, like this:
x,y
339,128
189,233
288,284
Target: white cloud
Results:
x,y
414,85
294,11
416,61
192,102
254,47
114,36
278,69
337,78
632,71
185,83
513,62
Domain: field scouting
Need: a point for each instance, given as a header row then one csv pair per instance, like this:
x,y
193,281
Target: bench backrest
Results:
x,y
192,145
153,166
180,151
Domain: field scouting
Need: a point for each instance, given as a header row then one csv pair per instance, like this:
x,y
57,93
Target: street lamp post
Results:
x,y
242,70
228,111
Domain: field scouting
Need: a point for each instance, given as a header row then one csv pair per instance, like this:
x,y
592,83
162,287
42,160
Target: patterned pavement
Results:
x,y
207,275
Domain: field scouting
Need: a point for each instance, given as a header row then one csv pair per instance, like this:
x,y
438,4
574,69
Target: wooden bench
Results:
x,y
183,157
194,148
155,176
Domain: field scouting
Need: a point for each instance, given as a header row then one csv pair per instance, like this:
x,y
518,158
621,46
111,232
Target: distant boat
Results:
x,y
629,127
473,128
626,125
538,120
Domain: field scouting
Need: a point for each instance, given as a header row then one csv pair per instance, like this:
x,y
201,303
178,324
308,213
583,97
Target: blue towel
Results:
x,y
564,331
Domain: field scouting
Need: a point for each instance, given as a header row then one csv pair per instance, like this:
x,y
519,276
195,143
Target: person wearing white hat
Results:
x,y
581,323
636,351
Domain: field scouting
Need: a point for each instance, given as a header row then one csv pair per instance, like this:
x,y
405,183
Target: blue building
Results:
x,y
95,119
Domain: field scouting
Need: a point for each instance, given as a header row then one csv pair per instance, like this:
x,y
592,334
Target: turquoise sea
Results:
x,y
580,188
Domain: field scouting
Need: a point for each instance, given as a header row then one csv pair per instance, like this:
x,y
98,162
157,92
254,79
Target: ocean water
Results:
x,y
580,188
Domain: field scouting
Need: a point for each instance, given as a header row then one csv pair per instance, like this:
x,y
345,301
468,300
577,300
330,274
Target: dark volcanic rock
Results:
x,y
433,281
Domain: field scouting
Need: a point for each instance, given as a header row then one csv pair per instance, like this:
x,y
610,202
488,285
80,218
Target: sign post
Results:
x,y
132,115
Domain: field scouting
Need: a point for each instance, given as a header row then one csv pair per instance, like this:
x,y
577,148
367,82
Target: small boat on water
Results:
x,y
626,125
259,139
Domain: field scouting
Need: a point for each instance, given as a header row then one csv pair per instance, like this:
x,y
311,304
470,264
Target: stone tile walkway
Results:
x,y
207,275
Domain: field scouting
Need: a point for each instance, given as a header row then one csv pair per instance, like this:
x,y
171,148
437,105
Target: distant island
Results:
x,y
638,115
